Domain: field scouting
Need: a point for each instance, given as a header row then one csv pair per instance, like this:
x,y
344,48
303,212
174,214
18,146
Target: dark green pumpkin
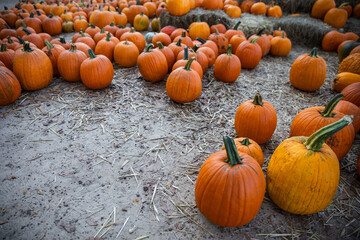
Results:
x,y
346,49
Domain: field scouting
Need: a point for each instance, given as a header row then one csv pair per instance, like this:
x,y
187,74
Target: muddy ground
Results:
x,y
123,161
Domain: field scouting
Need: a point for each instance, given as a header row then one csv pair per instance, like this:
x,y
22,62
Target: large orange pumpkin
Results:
x,y
303,173
199,29
227,67
126,54
32,67
352,93
348,108
212,4
230,187
10,88
308,72
336,17
256,119
178,7
320,8
312,119
249,53
152,64
69,63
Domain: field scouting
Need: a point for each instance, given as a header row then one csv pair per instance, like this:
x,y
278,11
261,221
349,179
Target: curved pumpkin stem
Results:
x,y
179,42
186,53
237,25
201,40
183,34
91,54
108,36
317,139
9,39
27,47
245,142
48,44
188,64
328,111
160,45
254,40
3,47
149,47
229,50
196,47
233,157
258,100
23,25
314,53
62,40
261,31
72,48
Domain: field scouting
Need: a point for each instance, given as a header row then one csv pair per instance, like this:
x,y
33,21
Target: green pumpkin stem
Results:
x,y
32,14
91,54
160,45
102,30
26,31
27,47
217,21
188,64
201,40
258,100
149,47
132,30
92,25
198,18
282,34
228,52
343,4
329,108
112,24
21,41
196,47
3,47
237,25
62,40
245,142
217,31
254,40
9,39
137,2
186,53
233,157
314,52
183,34
48,44
23,25
317,139
72,48
179,42
108,36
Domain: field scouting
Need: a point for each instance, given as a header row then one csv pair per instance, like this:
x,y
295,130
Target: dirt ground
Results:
x,y
122,162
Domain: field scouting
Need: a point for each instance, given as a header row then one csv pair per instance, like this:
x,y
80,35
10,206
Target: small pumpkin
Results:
x,y
69,63
199,29
256,119
351,64
220,27
258,8
161,37
135,37
168,53
221,41
184,39
87,40
344,79
227,67
152,64
274,11
212,4
245,6
7,55
141,22
53,52
32,67
126,54
52,25
233,11
61,41
352,93
92,30
230,187
194,65
10,88
184,84
236,41
97,71
348,108
67,26
177,47
249,53
81,23
336,17
307,160
209,53
155,24
280,46
332,40
105,47
320,8
308,72
210,44
263,41
234,31
312,119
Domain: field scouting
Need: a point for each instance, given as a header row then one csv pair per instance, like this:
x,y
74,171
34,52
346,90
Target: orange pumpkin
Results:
x,y
10,88
280,46
256,119
274,11
126,54
258,8
184,39
308,72
230,187
194,65
320,8
168,53
249,53
344,79
141,22
6,56
178,7
336,17
212,4
33,68
236,41
53,52
69,64
227,67
312,119
352,93
199,29
52,25
105,47
245,6
96,72
161,37
219,26
351,64
263,41
221,41
152,64
177,47
348,108
137,38
101,18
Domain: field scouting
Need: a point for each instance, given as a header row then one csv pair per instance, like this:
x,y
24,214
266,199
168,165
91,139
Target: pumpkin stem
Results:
x,y
66,21
108,36
21,41
111,24
196,47
328,111
186,53
229,50
32,14
317,139
198,18
217,21
26,31
282,34
258,100
201,40
343,4
149,47
92,25
188,64
217,31
132,30
102,30
27,47
245,142
314,53
237,25
72,48
137,2
38,13
233,157
23,25
253,41
91,54
3,47
62,40
179,42
48,44
160,45
183,34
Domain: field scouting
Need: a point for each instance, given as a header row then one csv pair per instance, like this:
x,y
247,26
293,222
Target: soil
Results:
x,y
123,161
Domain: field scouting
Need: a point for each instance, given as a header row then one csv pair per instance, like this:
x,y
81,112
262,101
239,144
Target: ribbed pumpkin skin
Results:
x,y
227,68
308,73
178,7
310,120
229,196
320,8
212,4
126,54
10,88
351,64
352,93
54,54
33,69
344,79
69,65
255,121
194,66
96,73
302,181
249,54
348,108
152,65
